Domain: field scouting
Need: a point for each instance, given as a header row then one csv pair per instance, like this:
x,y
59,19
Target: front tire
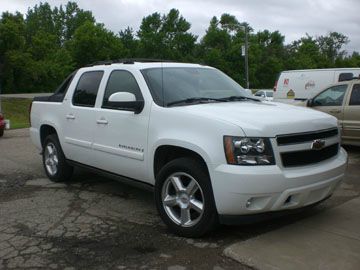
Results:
x,y
1,132
55,165
184,198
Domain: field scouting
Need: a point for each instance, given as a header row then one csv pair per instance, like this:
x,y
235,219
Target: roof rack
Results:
x,y
128,61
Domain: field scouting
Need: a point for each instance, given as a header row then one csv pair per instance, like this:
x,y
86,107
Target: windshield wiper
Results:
x,y
194,100
236,98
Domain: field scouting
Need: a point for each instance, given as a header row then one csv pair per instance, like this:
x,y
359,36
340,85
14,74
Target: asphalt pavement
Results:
x,y
93,222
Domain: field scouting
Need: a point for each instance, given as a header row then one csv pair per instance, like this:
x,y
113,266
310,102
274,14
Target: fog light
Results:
x,y
248,203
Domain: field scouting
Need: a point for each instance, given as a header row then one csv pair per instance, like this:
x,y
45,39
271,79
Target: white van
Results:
x,y
305,84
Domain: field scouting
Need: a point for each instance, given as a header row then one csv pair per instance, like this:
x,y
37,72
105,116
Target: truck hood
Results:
x,y
264,119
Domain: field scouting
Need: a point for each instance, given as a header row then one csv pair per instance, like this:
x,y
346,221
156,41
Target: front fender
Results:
x,y
178,143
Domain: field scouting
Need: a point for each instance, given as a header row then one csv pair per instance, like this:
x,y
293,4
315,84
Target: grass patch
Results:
x,y
17,111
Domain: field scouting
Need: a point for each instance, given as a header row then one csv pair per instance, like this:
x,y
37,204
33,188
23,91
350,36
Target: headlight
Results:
x,y
248,151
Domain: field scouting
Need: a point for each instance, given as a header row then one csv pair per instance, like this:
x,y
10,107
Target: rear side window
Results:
x,y
345,76
87,88
121,81
64,85
355,95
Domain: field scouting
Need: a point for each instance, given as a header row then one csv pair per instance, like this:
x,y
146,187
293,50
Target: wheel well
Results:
x,y
166,153
45,131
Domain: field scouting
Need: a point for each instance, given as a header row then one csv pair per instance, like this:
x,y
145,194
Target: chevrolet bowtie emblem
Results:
x,y
318,144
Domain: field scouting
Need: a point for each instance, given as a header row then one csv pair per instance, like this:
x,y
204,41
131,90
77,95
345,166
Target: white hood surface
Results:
x,y
264,119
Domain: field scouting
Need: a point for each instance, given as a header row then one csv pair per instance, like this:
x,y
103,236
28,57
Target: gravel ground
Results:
x,y
95,223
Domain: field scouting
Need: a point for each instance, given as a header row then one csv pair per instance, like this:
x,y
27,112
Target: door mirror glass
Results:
x,y
122,97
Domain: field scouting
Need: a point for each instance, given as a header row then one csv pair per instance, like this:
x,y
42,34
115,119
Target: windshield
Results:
x,y
171,84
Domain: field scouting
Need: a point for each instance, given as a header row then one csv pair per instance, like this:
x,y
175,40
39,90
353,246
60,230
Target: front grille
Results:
x,y
306,137
306,157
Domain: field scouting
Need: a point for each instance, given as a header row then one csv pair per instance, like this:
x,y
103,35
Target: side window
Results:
x,y
258,94
121,81
345,76
332,96
355,95
64,85
87,88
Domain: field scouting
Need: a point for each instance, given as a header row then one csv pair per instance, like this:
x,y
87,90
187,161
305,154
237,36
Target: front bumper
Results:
x,y
244,190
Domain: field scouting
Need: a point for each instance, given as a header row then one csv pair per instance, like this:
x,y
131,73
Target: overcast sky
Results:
x,y
293,18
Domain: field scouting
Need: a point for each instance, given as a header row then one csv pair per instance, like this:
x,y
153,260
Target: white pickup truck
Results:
x,y
211,152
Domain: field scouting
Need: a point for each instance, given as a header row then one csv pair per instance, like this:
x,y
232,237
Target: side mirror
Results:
x,y
122,97
309,102
125,101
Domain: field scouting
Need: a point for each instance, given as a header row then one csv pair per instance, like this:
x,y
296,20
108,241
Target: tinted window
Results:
x,y
345,76
65,85
355,95
121,81
171,84
87,88
332,96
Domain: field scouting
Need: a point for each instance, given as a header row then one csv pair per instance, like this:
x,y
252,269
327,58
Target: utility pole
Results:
x,y
246,56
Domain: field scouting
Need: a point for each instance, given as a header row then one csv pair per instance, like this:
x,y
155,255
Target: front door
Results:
x,y
331,101
120,140
351,124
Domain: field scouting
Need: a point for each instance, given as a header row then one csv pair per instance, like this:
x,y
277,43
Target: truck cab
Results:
x,y
342,100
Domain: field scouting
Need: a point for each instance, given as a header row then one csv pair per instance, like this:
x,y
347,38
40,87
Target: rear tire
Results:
x,y
184,198
54,161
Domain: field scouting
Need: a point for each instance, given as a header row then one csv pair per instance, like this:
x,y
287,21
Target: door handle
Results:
x,y
70,116
102,121
335,111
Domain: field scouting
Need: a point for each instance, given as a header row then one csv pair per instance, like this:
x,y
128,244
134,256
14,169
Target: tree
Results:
x,y
129,41
12,32
266,57
12,44
165,36
61,22
92,42
331,45
39,49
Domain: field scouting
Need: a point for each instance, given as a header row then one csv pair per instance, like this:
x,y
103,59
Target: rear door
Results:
x,y
351,123
331,100
79,118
